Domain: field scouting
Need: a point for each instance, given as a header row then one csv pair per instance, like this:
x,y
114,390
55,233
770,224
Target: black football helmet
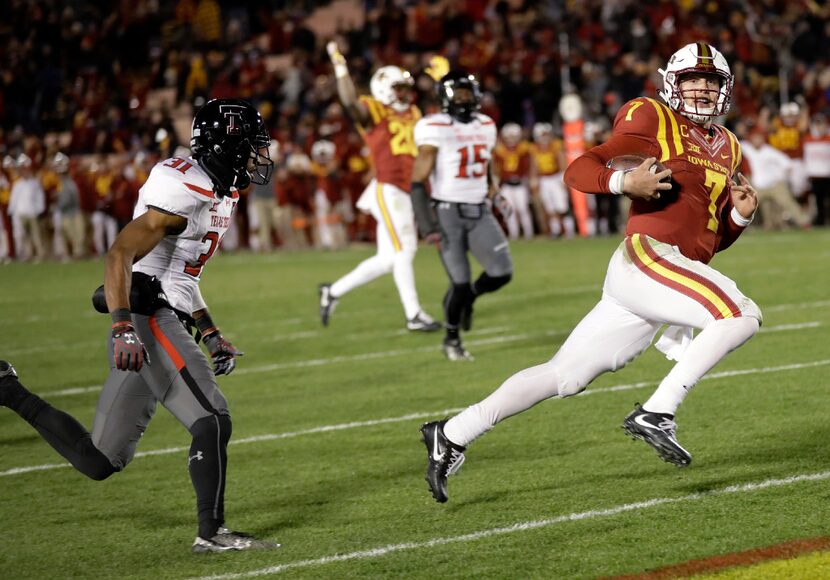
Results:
x,y
448,86
230,141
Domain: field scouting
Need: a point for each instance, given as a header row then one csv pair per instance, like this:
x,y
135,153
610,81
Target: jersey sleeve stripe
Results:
x,y
675,130
387,219
736,152
704,291
661,131
199,190
169,348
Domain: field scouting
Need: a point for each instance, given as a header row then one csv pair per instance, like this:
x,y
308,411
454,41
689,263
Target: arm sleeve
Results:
x,y
635,132
426,133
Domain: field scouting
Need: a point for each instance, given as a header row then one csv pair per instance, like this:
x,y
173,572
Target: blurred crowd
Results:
x,y
92,94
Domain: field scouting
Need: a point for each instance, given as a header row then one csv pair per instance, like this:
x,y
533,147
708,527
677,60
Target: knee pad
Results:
x,y
487,283
211,429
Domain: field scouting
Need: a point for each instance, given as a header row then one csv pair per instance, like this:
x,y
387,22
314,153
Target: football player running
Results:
x,y
151,287
454,152
386,121
658,275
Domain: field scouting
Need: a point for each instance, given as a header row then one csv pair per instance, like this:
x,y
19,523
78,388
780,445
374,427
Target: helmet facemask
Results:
x,y
697,59
451,87
230,142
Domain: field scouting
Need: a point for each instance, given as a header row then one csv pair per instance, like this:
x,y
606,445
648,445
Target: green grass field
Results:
x,y
326,456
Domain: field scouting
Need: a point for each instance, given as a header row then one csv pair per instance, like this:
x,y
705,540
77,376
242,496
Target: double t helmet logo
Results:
x,y
233,114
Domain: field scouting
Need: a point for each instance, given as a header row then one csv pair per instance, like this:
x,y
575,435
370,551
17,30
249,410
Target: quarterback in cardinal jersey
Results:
x,y
659,274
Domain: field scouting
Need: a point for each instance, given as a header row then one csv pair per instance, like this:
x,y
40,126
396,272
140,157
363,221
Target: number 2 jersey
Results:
x,y
464,151
390,142
695,214
179,186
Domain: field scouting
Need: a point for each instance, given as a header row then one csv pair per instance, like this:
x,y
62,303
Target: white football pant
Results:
x,y
397,243
648,284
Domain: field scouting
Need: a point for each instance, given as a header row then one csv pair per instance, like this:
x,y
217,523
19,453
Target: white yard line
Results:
x,y
400,352
422,415
525,526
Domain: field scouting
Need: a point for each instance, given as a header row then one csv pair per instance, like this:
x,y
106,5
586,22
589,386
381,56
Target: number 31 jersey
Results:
x,y
179,186
464,151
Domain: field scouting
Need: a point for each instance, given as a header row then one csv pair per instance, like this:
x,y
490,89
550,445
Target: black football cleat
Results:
x,y
227,540
659,431
10,389
327,303
444,458
454,351
423,322
7,370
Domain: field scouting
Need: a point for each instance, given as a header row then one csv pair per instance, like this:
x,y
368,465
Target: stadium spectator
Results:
x,y
72,229
511,168
330,233
263,201
27,202
547,166
771,169
817,166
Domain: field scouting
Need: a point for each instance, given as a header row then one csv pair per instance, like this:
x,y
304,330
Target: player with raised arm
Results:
x,y
386,120
454,152
151,287
659,274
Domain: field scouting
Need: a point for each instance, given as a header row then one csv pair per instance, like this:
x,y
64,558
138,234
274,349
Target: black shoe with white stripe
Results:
x,y
7,370
327,303
227,540
444,458
658,430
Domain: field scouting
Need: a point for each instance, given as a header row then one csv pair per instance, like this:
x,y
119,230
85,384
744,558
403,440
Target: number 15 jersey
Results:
x,y
464,152
179,186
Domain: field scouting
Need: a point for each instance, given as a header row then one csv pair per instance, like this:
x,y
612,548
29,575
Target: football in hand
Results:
x,y
631,162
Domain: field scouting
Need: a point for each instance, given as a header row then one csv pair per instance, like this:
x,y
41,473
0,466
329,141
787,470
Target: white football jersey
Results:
x,y
464,152
179,186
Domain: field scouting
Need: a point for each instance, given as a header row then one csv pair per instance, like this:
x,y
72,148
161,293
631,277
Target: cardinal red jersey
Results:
x,y
695,214
547,157
787,139
391,142
512,163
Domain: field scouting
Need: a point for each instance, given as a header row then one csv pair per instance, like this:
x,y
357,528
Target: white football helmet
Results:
x,y
383,84
511,134
322,151
700,58
542,131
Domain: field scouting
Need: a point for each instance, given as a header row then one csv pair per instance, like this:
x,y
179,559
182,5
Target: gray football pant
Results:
x,y
482,236
179,376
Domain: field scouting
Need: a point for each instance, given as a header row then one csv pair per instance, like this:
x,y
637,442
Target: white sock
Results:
x,y
707,349
364,273
404,275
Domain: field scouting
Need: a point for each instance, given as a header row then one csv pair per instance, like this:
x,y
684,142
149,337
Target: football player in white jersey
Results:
x,y
151,286
454,151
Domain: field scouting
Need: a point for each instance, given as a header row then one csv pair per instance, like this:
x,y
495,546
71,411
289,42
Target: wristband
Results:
x,y
205,325
615,184
341,70
739,219
120,315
